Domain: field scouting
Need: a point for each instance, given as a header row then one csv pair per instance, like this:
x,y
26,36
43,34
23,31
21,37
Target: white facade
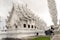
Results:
x,y
22,23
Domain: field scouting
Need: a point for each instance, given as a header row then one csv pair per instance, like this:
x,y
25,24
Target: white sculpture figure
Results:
x,y
53,11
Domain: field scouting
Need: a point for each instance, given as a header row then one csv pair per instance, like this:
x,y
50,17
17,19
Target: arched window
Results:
x,y
16,26
35,27
24,25
28,26
31,26
6,26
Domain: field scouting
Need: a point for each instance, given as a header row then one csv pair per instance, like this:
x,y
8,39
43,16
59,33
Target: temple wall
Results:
x,y
20,33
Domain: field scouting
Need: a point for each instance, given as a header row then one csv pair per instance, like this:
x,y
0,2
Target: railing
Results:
x,y
19,33
20,30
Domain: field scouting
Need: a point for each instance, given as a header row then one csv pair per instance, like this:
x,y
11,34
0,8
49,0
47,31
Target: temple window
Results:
x,y
24,25
32,26
28,26
6,26
16,26
35,27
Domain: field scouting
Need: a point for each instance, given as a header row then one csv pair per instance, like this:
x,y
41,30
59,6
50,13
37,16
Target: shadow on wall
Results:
x,y
10,39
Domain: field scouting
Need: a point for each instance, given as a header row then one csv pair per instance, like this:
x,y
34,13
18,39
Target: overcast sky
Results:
x,y
39,7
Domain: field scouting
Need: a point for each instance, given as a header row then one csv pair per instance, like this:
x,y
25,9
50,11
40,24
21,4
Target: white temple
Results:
x,y
22,23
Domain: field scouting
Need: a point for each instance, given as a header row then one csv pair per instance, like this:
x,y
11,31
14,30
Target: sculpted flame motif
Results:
x,y
53,11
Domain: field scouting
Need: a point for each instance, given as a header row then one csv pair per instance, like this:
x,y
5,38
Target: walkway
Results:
x,y
56,37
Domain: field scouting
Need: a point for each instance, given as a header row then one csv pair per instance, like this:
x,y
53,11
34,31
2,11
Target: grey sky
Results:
x,y
4,7
39,7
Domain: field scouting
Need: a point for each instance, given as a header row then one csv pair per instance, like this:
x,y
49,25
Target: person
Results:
x,y
52,28
37,33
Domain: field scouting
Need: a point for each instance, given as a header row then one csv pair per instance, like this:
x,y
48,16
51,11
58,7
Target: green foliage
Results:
x,y
42,38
